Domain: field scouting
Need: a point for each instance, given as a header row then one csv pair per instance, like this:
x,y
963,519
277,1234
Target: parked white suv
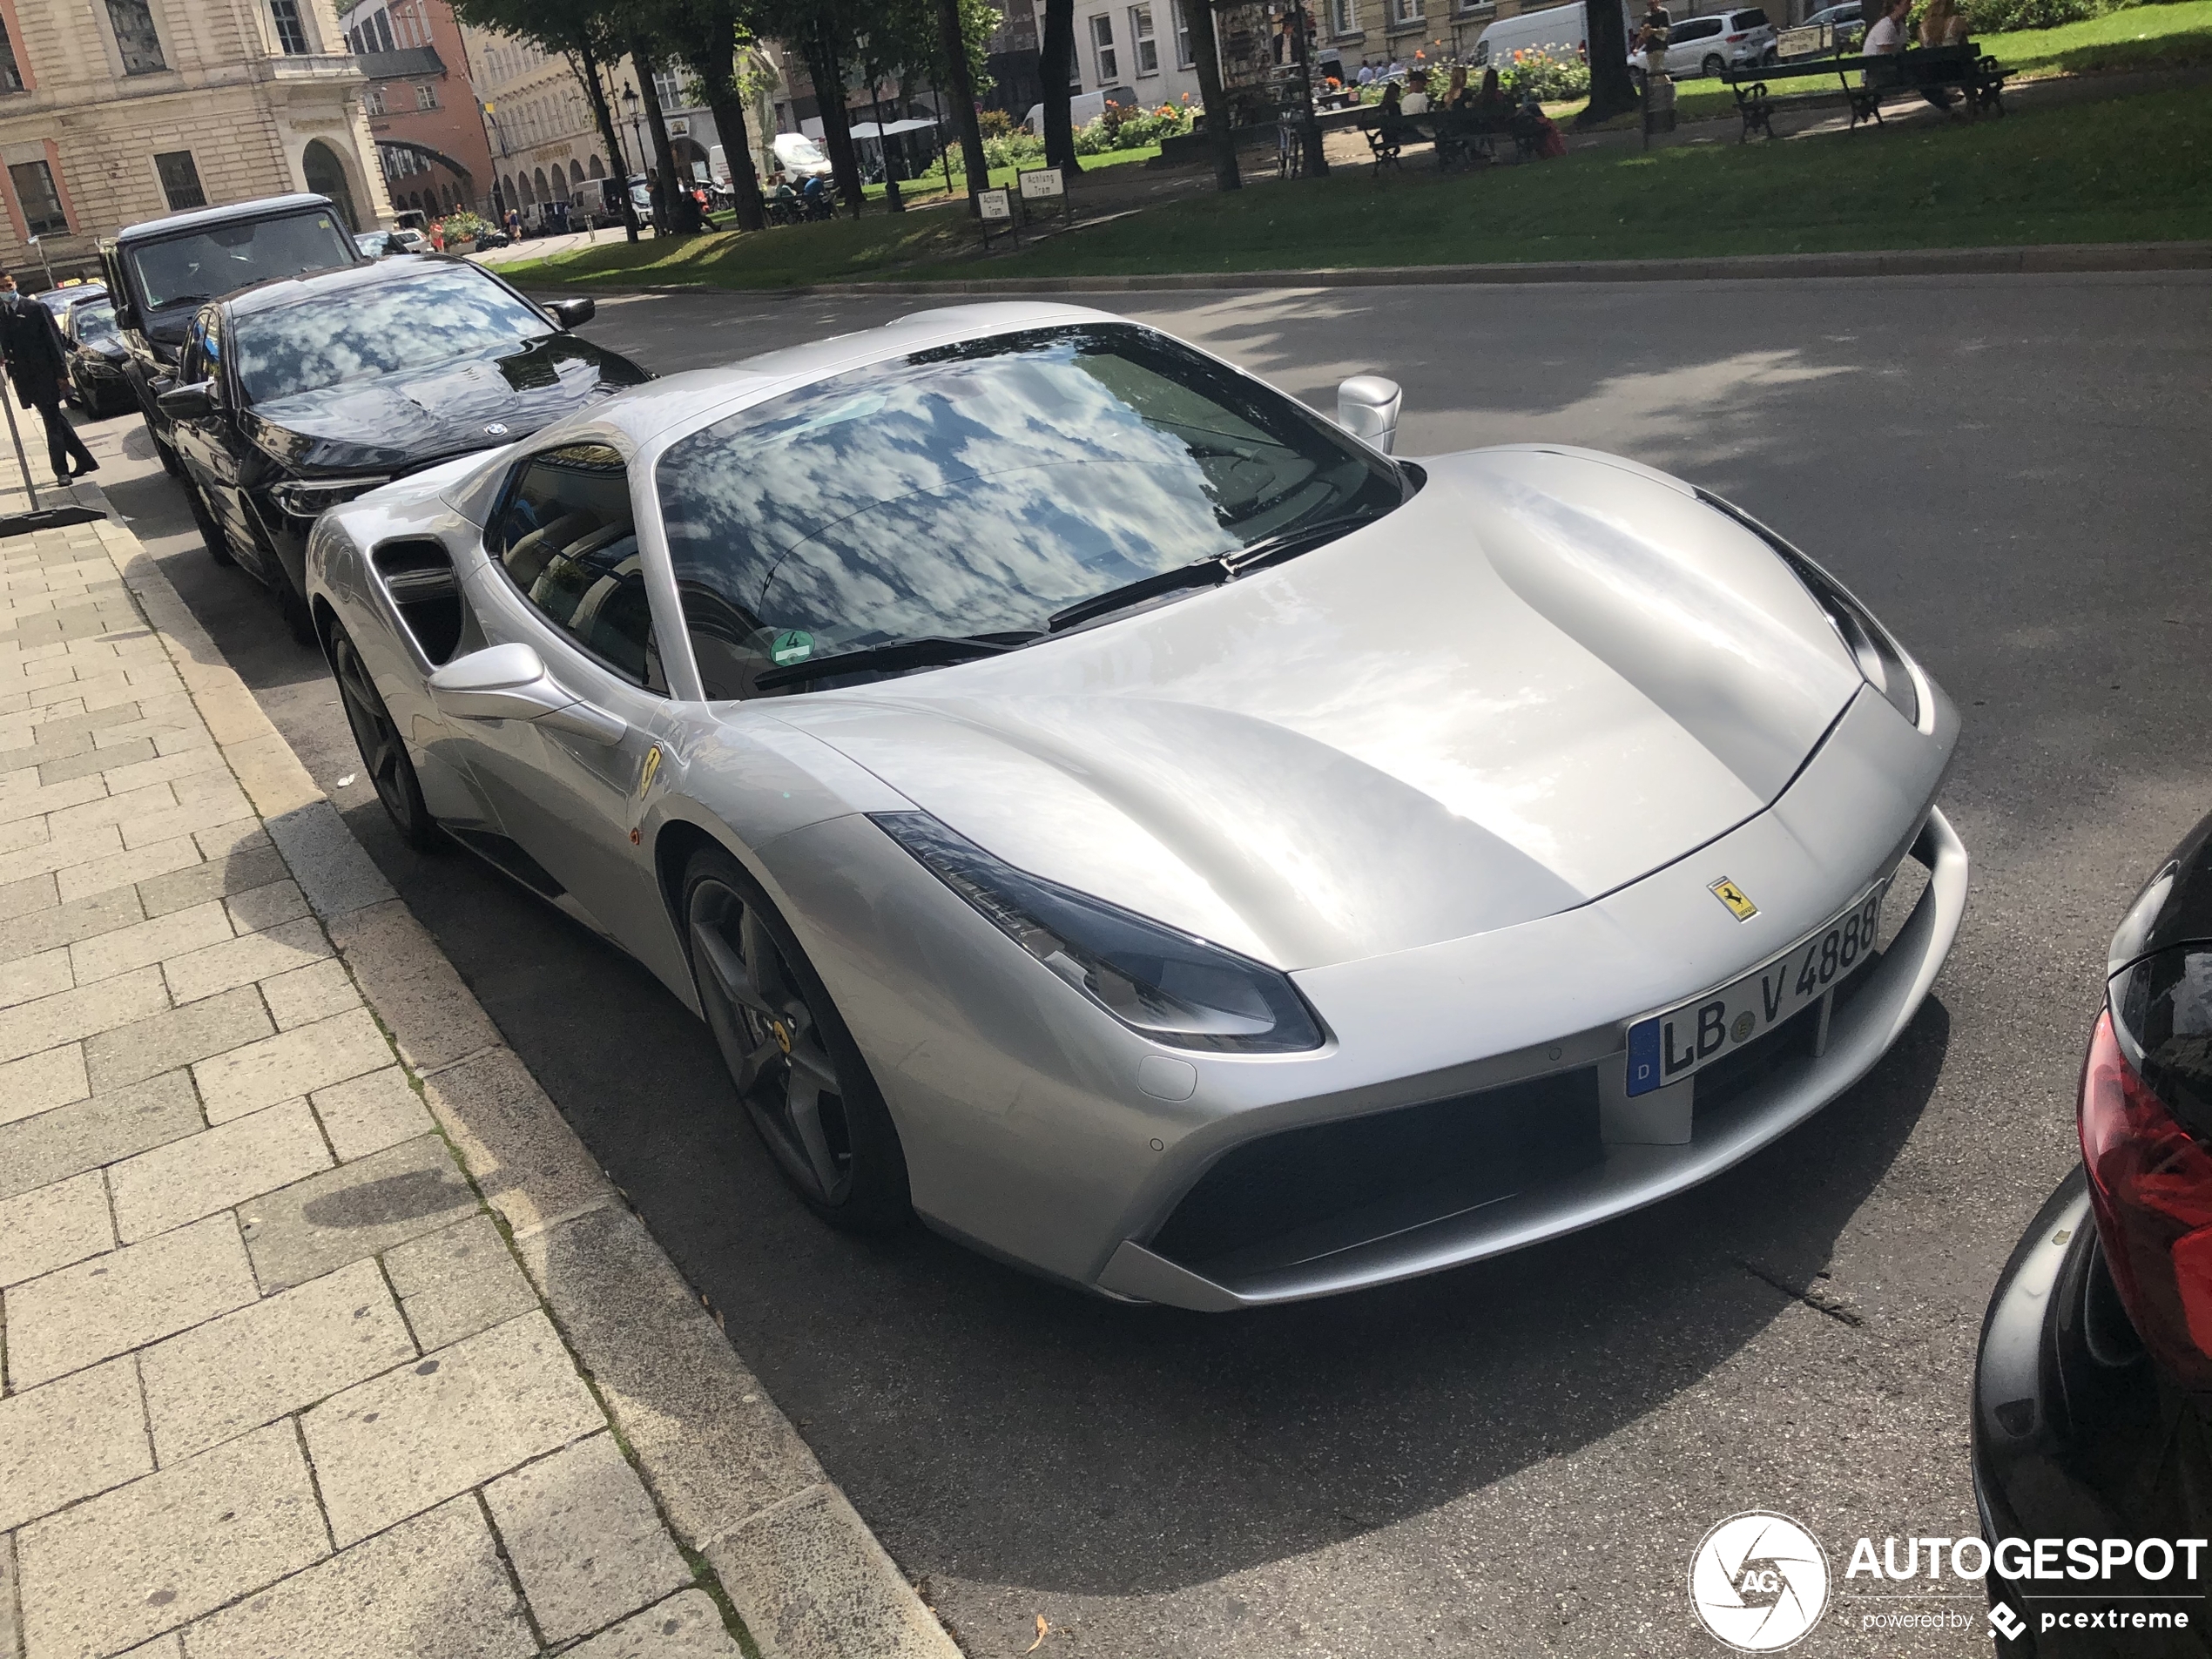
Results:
x,y
1705,46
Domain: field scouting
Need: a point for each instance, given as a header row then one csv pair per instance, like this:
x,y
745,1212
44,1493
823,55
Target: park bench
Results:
x,y
1453,137
1864,82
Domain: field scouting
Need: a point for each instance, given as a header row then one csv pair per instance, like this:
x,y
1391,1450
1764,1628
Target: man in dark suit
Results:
x,y
37,361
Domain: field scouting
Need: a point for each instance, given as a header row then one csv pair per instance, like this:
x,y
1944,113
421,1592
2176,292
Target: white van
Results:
x,y
1083,108
800,155
1558,32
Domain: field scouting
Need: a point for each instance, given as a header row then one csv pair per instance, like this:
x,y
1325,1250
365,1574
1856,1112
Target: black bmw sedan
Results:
x,y
295,394
2092,1390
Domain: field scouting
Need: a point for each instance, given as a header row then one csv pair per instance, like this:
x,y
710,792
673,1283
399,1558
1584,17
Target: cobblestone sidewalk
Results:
x,y
320,1334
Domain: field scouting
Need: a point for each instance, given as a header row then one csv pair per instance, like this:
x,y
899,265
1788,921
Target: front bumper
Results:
x,y
2074,1436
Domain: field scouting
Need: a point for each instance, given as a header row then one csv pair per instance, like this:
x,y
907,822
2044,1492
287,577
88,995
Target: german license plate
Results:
x,y
1682,1041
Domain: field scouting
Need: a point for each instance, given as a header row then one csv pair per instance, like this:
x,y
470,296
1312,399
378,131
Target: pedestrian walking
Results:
x,y
37,361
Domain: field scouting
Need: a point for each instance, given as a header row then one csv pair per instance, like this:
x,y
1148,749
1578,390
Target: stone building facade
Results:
x,y
112,111
422,101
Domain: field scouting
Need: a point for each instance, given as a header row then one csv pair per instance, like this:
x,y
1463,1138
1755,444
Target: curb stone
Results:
x,y
741,1491
2053,258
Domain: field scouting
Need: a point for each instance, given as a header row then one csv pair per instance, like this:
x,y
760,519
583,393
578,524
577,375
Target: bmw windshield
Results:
x,y
427,316
974,492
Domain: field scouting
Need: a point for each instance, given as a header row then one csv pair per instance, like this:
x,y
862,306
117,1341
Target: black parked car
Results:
x,y
2092,1390
295,395
160,272
98,358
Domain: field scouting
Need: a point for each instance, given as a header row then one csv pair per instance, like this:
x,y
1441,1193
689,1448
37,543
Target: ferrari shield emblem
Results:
x,y
1738,901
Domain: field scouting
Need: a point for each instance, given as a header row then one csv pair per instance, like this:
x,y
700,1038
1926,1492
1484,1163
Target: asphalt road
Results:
x,y
1519,1457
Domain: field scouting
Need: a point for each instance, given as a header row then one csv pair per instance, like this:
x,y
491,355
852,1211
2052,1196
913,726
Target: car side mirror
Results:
x,y
510,683
1367,408
570,313
187,403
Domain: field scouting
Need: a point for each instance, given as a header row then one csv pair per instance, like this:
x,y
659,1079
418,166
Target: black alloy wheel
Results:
x,y
212,536
795,1067
1713,66
383,754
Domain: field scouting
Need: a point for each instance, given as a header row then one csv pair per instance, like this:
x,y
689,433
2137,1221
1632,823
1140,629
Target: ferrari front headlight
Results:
x,y
309,497
1171,986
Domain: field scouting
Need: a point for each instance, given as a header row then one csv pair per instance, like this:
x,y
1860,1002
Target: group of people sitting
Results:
x,y
1466,114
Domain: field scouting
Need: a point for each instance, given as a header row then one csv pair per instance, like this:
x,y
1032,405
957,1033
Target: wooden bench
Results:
x,y
1865,81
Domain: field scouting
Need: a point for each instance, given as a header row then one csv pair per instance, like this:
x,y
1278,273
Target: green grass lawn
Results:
x,y
2144,36
931,187
2132,169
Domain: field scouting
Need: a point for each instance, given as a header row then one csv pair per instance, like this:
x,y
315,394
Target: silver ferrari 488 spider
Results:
x,y
1138,825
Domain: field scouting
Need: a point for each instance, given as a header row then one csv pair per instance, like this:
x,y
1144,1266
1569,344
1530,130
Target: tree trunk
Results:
x,y
1302,54
1056,63
1611,91
1221,125
892,199
719,69
667,215
828,75
587,70
960,87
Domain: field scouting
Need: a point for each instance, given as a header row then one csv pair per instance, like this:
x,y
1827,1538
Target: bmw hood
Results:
x,y
435,410
1545,676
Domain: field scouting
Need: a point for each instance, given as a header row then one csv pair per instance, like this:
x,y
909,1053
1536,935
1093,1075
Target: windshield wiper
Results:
x,y
1203,573
1268,549
932,651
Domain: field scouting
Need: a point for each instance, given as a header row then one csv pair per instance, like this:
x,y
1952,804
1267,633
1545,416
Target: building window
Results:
x,y
1340,18
426,96
40,201
1106,60
1142,37
179,180
668,87
373,101
381,26
291,33
1407,11
135,37
1182,58
10,75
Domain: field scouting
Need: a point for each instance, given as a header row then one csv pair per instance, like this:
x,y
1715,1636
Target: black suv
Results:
x,y
160,274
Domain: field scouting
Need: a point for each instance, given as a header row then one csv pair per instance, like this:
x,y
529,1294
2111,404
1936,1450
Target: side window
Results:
x,y
202,349
566,540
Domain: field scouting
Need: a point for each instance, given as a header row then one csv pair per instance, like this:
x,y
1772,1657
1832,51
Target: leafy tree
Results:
x,y
964,30
824,32
584,33
1221,121
673,209
712,39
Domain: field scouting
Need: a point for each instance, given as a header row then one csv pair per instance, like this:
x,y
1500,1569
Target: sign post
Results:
x,y
1044,185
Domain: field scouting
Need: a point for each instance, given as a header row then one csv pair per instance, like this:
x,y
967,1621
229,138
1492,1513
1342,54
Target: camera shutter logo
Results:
x,y
1759,1582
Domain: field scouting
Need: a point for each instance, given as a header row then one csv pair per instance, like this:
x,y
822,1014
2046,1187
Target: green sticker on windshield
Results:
x,y
791,646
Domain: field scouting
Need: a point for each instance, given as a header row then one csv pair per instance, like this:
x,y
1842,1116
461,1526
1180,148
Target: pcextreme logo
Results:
x,y
1759,1582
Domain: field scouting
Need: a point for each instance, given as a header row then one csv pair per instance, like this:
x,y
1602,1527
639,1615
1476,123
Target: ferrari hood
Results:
x,y
1547,675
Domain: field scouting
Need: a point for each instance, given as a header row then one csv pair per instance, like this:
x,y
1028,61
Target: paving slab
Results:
x,y
688,1626
100,1128
154,1554
429,1588
292,1062
211,877
78,1316
811,1582
275,1355
531,1166
49,928
408,977
584,1538
216,1169
220,1025
240,962
313,993
38,1082
144,943
358,1209
69,1440
86,1011
409,1440
52,1226
28,978
458,1281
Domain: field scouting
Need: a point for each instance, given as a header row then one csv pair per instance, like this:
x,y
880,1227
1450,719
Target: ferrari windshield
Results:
x,y
980,488
426,316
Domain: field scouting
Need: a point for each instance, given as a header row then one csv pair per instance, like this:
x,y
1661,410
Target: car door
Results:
x,y
563,575
210,445
1689,44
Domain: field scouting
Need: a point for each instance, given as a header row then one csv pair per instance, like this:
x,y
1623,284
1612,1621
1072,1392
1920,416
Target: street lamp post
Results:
x,y
631,105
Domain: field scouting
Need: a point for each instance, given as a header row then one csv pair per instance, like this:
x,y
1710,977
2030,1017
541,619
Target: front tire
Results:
x,y
1712,67
384,755
796,1069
